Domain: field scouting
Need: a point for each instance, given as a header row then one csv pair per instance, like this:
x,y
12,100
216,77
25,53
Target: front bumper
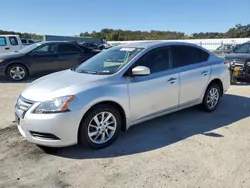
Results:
x,y
57,130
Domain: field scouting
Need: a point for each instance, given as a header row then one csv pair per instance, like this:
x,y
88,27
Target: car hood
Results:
x,y
62,83
10,55
237,56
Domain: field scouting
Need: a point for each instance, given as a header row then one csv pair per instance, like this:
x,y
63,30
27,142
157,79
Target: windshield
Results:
x,y
109,61
225,47
243,48
29,48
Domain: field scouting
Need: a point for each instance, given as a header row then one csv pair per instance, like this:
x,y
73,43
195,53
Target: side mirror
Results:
x,y
140,71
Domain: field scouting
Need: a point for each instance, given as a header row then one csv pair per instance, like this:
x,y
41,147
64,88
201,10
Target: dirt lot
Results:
x,y
187,149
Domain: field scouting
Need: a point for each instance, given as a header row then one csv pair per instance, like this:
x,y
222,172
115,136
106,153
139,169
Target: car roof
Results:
x,y
47,42
150,44
9,35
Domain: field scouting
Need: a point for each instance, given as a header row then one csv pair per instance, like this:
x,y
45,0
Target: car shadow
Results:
x,y
167,130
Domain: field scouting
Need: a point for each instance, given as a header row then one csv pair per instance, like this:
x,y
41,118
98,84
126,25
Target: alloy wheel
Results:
x,y
213,97
17,73
102,127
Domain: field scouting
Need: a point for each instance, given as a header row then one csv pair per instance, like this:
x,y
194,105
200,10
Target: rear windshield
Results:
x,y
243,48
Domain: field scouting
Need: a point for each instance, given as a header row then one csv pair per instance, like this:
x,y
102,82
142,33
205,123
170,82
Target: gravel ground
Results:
x,y
187,149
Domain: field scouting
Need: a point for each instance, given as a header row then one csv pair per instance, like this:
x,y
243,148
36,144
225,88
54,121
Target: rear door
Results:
x,y
43,59
69,55
194,72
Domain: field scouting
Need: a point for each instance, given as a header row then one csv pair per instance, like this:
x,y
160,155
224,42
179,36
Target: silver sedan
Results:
x,y
120,87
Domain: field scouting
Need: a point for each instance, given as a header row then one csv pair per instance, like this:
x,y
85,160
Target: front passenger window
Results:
x,y
156,60
46,49
13,41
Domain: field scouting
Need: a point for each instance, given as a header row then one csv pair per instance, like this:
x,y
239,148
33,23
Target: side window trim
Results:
x,y
11,42
162,47
191,47
39,47
46,53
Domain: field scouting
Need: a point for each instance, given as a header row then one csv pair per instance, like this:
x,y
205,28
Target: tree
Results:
x,y
239,31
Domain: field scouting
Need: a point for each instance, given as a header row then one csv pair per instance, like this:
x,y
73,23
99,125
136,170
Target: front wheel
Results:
x,y
17,72
100,127
211,98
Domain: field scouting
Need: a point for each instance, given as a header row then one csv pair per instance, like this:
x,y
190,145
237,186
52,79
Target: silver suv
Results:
x,y
119,87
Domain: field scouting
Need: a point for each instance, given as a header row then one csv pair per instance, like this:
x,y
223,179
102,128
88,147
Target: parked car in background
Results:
x,y
117,88
43,57
104,46
10,43
224,49
27,41
240,58
90,45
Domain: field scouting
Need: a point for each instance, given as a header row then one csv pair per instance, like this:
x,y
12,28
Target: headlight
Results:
x,y
1,60
55,105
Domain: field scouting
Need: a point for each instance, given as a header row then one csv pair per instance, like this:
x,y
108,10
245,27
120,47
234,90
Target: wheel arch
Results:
x,y
16,63
111,103
219,83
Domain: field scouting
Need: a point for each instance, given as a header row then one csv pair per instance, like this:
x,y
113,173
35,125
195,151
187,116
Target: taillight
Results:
x,y
227,64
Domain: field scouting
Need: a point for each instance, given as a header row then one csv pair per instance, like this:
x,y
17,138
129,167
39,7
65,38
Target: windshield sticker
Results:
x,y
127,49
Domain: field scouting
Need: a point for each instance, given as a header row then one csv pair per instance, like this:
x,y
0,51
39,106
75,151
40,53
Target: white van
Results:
x,y
10,43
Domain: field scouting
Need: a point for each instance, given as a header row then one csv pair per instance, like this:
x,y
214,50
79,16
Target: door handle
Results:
x,y
204,73
172,80
7,48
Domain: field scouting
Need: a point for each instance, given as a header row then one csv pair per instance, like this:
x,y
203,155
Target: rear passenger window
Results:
x,y
24,41
156,60
187,55
2,41
65,48
13,41
31,42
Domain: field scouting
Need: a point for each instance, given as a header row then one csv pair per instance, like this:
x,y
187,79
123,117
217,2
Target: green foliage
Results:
x,y
125,35
239,31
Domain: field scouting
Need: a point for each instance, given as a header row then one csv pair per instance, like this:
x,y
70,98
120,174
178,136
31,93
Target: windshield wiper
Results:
x,y
88,72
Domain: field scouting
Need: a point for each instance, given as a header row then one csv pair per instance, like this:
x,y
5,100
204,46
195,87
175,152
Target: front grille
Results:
x,y
23,105
238,62
44,135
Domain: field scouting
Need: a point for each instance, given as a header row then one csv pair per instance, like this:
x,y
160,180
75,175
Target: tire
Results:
x,y
91,135
17,72
206,105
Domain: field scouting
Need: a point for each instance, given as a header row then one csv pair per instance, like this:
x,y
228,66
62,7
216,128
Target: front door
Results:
x,y
43,59
15,45
156,93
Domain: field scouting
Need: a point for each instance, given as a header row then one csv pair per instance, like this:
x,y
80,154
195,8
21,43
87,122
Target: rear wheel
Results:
x,y
17,72
211,98
100,127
